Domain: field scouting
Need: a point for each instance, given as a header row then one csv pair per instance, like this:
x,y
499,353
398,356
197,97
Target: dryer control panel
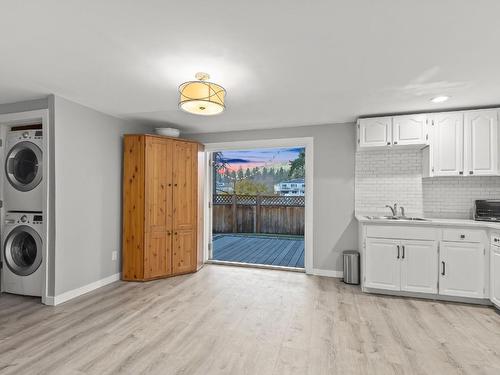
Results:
x,y
14,218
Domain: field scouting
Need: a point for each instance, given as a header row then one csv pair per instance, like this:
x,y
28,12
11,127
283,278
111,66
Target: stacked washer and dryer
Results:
x,y
22,230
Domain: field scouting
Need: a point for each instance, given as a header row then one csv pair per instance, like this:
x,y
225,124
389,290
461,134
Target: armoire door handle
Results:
x,y
398,252
403,252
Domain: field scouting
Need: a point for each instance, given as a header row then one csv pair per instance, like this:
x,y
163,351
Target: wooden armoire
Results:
x,y
162,230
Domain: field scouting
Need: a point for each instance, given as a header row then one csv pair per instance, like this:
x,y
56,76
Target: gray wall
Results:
x,y
30,105
88,179
335,228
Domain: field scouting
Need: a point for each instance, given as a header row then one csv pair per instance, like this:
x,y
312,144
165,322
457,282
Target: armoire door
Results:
x,y
158,208
185,172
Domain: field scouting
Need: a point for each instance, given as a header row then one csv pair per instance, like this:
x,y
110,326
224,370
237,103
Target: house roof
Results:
x,y
293,181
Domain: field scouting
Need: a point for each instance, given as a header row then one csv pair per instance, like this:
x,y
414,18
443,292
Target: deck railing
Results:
x,y
258,214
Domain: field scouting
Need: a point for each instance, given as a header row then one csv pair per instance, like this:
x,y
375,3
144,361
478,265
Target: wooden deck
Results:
x,y
256,249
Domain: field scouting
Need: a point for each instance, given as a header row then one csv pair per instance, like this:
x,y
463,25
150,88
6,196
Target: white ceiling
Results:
x,y
283,62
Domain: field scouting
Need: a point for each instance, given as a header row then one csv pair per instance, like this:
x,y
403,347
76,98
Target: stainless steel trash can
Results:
x,y
351,267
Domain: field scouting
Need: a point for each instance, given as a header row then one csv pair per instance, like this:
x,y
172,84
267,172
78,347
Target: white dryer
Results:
x,y
23,190
22,255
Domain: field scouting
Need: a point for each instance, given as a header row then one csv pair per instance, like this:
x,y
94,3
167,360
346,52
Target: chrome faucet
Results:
x,y
402,211
394,209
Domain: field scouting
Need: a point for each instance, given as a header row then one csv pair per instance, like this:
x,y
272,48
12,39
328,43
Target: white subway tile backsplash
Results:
x,y
390,176
386,177
453,197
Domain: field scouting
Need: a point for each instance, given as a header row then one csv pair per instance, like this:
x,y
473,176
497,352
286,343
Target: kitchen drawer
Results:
x,y
410,232
464,235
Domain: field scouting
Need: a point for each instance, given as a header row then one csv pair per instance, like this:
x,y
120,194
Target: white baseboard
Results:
x,y
328,273
66,296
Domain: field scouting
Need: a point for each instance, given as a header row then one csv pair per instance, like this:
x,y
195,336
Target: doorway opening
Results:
x,y
258,204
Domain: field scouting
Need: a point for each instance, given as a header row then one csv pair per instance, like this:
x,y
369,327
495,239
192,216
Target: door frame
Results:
x,y
308,144
19,118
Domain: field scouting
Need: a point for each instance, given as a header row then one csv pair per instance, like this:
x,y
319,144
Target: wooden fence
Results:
x,y
258,214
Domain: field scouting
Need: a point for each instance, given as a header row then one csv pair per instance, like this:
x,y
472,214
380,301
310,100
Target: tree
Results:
x,y
219,167
281,175
297,166
248,187
264,172
240,174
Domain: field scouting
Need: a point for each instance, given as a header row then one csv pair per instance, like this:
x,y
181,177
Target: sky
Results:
x,y
265,157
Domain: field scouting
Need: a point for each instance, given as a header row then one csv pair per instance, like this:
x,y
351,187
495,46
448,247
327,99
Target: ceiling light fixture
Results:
x,y
202,97
440,99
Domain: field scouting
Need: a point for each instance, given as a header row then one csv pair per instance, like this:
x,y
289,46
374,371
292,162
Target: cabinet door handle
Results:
x,y
443,272
388,143
403,251
175,233
395,143
471,172
398,252
462,236
461,172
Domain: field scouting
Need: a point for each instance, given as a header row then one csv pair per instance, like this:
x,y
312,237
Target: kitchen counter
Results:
x,y
431,222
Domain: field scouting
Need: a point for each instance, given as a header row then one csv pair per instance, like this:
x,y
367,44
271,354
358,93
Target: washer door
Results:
x,y
23,166
23,250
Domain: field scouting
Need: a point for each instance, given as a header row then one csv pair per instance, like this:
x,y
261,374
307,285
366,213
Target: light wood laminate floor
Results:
x,y
232,320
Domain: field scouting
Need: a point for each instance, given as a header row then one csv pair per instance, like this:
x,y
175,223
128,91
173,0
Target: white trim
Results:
x,y
327,273
17,119
308,143
66,296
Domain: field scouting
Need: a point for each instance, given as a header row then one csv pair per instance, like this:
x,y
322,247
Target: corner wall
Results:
x,y
87,155
335,228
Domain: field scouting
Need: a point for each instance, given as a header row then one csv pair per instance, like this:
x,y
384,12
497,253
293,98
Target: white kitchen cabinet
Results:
x,y
495,275
382,264
409,130
375,132
419,266
408,265
462,267
447,144
481,142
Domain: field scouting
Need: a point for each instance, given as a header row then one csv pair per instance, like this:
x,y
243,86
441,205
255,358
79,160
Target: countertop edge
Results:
x,y
432,222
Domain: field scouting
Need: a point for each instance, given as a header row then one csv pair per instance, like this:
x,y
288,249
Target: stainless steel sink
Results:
x,y
399,218
382,217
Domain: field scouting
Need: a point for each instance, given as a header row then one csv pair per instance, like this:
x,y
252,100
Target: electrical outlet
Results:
x,y
114,255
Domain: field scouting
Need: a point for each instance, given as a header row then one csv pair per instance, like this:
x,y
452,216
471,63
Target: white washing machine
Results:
x,y
23,188
22,253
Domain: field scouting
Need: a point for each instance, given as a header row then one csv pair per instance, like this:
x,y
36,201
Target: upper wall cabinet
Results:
x,y
409,130
481,142
393,131
447,135
375,132
463,144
